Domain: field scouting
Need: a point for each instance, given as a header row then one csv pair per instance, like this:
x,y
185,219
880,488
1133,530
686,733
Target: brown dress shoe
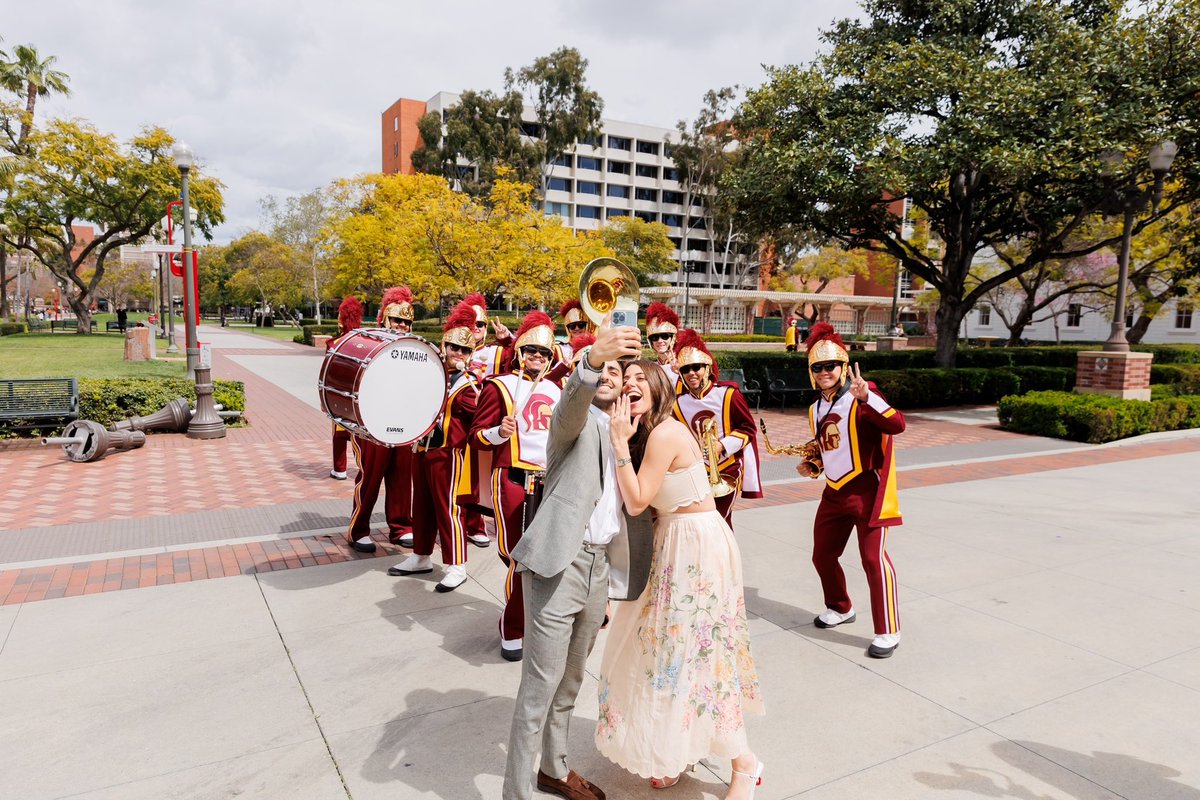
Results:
x,y
573,787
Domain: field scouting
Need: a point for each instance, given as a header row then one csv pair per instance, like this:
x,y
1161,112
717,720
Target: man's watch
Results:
x,y
583,360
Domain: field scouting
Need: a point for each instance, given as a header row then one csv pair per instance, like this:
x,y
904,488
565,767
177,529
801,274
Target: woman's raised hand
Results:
x,y
622,426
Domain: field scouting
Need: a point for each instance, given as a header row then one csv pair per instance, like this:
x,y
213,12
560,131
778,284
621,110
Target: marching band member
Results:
x,y
377,464
662,325
575,323
701,399
853,426
487,360
439,463
350,314
513,421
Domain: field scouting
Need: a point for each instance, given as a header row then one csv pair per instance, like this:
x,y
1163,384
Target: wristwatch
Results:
x,y
623,461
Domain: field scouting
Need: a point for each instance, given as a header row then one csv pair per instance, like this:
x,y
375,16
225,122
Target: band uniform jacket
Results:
x,y
574,482
856,438
725,403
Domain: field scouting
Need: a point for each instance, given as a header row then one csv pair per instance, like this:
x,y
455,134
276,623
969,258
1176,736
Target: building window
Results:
x,y
1129,315
395,123
560,184
395,149
697,224
697,244
531,129
561,209
644,171
613,213
563,160
1183,315
619,143
587,187
590,141
675,198
676,241
647,147
670,174
587,162
647,216
587,212
985,316
1074,315
618,167
672,220
650,195
618,191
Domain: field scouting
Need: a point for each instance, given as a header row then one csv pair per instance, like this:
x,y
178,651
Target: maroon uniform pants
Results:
x,y
840,511
341,438
436,512
391,466
509,499
725,507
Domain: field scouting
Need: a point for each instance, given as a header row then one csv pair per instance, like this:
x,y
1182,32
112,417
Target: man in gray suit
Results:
x,y
564,558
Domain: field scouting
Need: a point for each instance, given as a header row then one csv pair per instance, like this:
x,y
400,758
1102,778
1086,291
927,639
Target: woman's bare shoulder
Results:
x,y
668,430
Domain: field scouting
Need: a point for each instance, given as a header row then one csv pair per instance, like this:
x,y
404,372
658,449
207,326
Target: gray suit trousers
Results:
x,y
562,618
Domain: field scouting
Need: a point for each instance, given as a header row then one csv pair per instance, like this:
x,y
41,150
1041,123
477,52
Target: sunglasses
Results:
x,y
480,324
458,348
401,321
535,351
660,337
824,366
691,368
577,326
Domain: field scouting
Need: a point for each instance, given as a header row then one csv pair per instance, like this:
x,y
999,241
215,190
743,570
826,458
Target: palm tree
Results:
x,y
28,72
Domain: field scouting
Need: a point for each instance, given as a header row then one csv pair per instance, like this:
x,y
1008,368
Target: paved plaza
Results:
x,y
185,621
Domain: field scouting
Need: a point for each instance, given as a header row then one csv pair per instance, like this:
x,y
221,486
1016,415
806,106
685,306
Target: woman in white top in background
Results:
x,y
677,677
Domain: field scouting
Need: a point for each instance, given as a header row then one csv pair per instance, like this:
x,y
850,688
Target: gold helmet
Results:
x,y
536,329
661,319
690,349
477,300
825,344
459,326
397,302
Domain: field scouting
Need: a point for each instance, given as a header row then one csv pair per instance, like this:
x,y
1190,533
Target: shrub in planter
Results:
x,y
10,328
308,331
109,400
1096,418
1176,379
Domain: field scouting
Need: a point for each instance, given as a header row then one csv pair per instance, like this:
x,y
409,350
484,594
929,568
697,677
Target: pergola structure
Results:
x,y
860,305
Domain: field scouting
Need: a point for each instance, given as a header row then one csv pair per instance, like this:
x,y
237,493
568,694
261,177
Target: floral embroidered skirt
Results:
x,y
677,677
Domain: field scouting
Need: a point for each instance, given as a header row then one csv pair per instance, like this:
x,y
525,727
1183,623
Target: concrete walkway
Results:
x,y
1051,630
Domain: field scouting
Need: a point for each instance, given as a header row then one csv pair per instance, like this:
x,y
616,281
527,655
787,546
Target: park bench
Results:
x,y
32,400
783,383
112,325
67,325
750,388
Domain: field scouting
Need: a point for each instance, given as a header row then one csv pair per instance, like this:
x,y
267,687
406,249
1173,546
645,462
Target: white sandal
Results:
x,y
756,777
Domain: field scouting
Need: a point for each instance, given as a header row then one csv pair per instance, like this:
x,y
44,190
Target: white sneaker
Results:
x,y
512,649
456,576
339,476
479,539
831,619
884,645
413,565
406,541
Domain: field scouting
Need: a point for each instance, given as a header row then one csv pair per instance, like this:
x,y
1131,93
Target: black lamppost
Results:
x,y
1131,201
205,424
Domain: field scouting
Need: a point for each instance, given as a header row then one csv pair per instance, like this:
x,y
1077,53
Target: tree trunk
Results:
x,y
30,105
83,314
1134,335
950,313
3,283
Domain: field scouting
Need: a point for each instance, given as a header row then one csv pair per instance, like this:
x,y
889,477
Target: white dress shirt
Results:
x,y
606,520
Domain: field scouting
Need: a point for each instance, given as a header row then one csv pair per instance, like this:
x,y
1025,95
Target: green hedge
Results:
x,y
109,400
931,388
9,328
308,331
1175,379
1096,418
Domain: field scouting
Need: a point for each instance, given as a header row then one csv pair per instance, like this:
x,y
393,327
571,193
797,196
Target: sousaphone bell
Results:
x,y
608,286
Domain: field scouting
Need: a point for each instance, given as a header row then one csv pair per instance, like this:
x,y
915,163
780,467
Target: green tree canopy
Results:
x,y
989,117
642,246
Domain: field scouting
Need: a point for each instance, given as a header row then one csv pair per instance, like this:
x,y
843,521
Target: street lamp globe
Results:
x,y
183,155
1161,157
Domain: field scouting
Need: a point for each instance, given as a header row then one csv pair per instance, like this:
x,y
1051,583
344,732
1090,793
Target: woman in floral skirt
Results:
x,y
677,677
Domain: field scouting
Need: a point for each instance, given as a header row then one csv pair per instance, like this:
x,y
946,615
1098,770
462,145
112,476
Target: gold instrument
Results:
x,y
809,452
608,286
712,450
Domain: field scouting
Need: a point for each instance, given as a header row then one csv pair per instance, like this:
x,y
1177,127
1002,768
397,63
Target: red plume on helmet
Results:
x,y
350,313
691,349
659,315
462,316
396,294
568,306
476,299
822,331
582,340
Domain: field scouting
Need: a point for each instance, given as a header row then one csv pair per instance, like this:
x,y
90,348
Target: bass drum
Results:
x,y
386,386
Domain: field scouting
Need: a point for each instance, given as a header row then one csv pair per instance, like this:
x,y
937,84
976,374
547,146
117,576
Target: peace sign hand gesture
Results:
x,y
858,386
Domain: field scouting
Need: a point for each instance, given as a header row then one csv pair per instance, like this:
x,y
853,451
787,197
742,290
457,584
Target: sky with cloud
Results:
x,y
281,97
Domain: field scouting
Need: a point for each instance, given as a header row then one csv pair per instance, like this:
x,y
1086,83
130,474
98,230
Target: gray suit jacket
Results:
x,y
574,475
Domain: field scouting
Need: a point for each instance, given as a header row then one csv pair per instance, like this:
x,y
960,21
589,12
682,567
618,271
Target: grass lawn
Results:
x,y
284,333
65,355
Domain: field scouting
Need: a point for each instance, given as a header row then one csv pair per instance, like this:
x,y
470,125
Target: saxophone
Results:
x,y
809,452
711,447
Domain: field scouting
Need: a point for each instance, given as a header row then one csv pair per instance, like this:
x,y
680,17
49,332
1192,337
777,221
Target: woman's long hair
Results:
x,y
662,405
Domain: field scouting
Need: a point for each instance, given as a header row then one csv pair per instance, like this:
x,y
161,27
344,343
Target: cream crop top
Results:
x,y
682,487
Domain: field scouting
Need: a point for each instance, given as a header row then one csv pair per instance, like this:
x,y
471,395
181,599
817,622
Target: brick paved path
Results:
x,y
258,481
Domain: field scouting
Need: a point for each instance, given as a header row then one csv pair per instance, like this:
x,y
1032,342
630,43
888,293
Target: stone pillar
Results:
x,y
706,324
139,344
860,321
1124,375
888,344
320,340
748,326
823,312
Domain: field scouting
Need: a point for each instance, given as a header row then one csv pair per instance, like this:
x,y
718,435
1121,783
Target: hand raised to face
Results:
x,y
858,386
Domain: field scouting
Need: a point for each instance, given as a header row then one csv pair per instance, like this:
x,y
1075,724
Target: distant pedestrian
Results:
x,y
790,336
122,319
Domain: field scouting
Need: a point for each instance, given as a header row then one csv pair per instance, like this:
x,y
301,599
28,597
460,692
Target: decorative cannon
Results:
x,y
85,440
